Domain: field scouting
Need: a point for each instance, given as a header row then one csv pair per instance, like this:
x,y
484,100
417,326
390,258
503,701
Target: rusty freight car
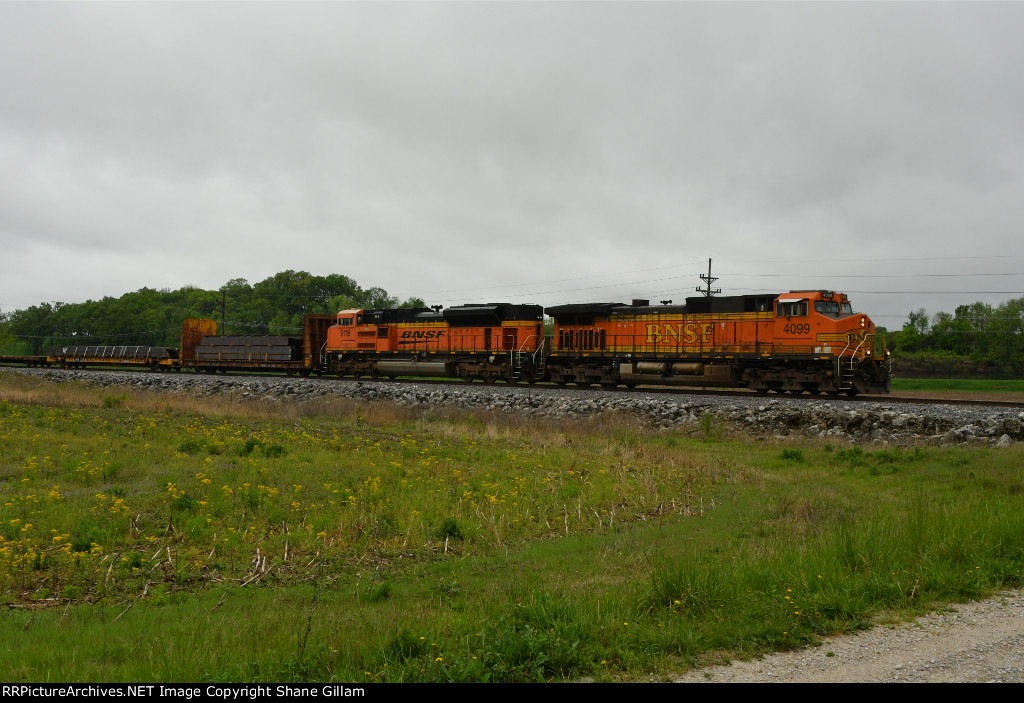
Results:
x,y
203,350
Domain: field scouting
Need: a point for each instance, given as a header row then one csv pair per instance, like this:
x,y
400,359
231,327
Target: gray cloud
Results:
x,y
496,150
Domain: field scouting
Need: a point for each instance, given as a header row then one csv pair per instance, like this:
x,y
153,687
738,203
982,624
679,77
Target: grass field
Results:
x,y
966,385
159,537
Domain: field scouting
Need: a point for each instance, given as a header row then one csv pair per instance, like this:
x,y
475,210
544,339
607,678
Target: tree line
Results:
x,y
148,317
975,340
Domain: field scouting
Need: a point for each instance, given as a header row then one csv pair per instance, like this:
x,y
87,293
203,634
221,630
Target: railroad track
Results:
x,y
648,390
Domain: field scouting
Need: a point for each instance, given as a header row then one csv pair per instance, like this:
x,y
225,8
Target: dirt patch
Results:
x,y
970,643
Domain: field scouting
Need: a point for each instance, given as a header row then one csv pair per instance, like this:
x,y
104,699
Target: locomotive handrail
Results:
x,y
863,339
519,352
853,354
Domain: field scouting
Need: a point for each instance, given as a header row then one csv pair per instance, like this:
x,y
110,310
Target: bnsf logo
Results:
x,y
689,333
422,334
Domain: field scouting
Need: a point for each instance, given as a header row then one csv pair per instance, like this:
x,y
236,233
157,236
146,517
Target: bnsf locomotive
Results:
x,y
799,341
802,341
486,342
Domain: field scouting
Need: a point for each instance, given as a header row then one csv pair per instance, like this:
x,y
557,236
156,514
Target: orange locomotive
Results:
x,y
486,342
799,341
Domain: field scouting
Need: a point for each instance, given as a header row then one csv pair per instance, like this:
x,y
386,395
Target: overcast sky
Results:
x,y
547,153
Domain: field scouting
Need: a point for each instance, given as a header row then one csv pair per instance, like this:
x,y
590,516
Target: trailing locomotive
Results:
x,y
801,341
485,342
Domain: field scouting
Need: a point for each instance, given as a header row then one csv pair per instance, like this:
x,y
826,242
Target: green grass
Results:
x,y
972,385
164,538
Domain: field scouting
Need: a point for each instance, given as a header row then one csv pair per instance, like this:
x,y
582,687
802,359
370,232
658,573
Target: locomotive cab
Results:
x,y
824,320
825,324
353,332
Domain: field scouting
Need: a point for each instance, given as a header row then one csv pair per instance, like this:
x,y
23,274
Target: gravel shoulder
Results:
x,y
833,420
979,642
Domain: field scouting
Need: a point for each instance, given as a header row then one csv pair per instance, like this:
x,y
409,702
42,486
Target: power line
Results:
x,y
873,275
87,335
882,260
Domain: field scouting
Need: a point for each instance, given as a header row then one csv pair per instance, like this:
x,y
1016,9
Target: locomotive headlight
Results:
x,y
863,322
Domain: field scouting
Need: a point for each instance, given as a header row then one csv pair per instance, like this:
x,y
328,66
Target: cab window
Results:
x,y
792,308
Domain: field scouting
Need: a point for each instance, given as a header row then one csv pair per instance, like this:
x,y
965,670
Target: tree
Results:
x,y
341,302
1004,341
918,320
378,298
7,340
34,325
153,317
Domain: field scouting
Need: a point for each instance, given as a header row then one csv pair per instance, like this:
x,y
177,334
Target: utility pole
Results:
x,y
709,280
224,309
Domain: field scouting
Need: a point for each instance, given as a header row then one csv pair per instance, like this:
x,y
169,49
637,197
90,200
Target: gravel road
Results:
x,y
981,642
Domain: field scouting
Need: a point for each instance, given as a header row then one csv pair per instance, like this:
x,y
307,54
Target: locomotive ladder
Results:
x,y
323,356
846,366
518,357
